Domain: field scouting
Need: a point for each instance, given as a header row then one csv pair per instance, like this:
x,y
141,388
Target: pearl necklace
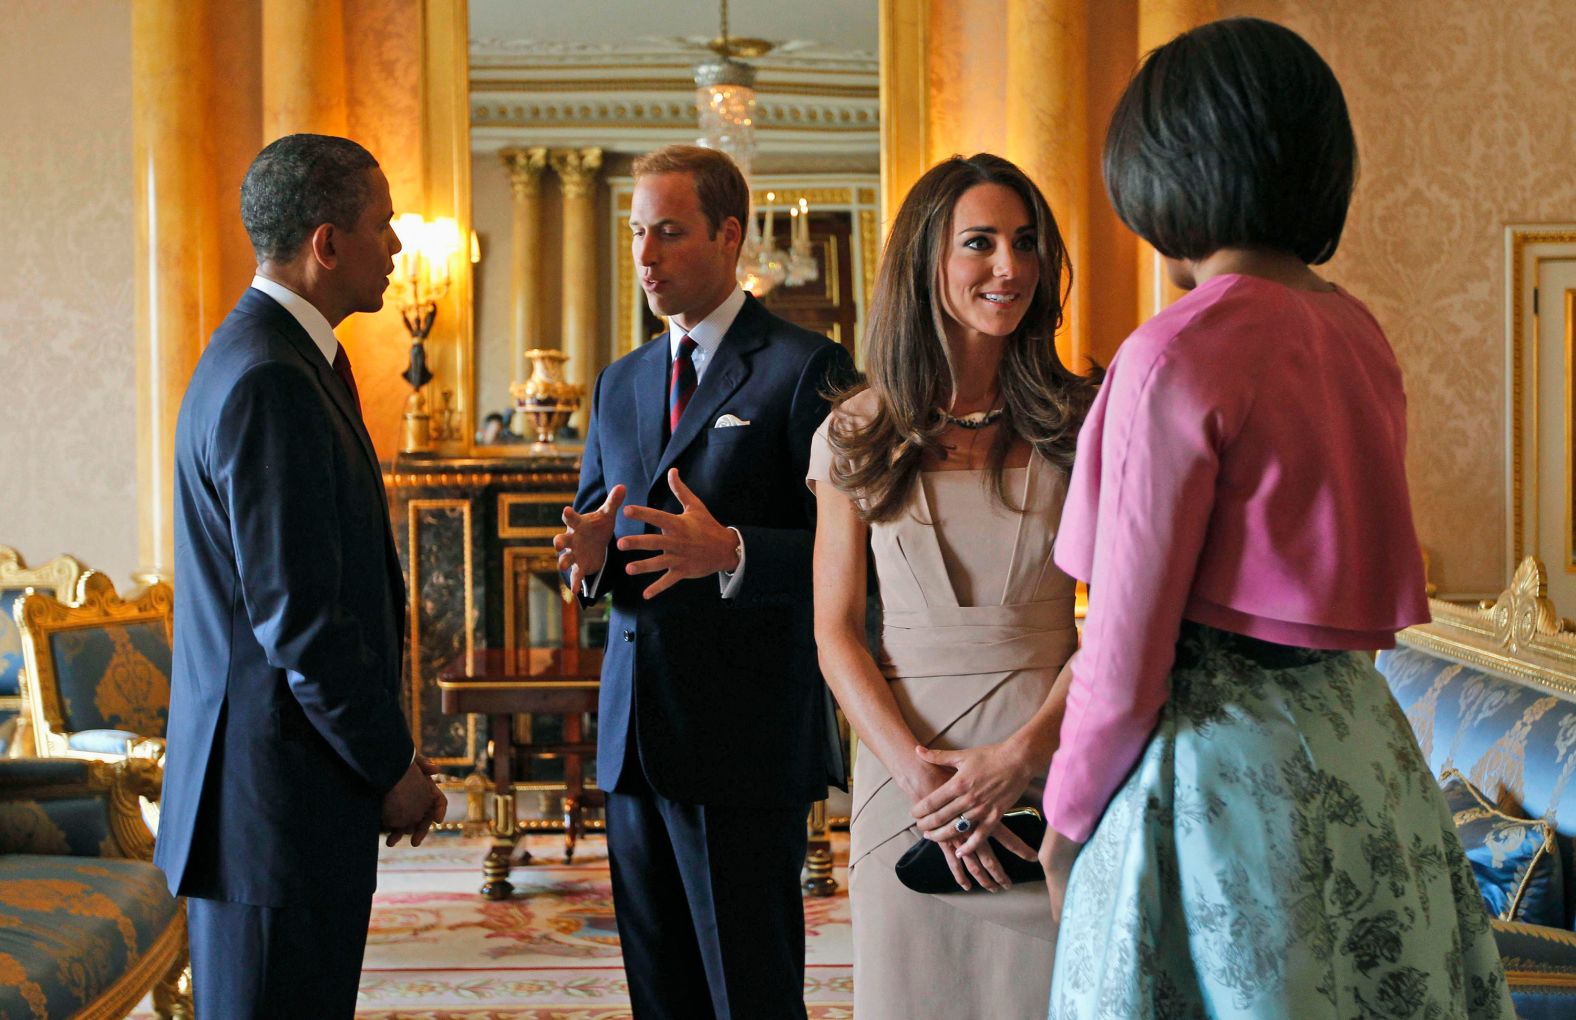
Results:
x,y
975,420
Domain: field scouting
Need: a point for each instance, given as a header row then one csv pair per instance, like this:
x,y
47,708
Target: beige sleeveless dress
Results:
x,y
977,622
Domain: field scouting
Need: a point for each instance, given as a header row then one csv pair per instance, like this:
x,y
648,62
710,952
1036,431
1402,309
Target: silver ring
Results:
x,y
962,825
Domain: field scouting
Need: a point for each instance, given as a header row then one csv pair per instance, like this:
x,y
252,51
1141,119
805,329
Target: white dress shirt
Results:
x,y
304,312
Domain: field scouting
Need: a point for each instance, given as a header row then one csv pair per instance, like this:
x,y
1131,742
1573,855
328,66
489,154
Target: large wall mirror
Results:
x,y
536,112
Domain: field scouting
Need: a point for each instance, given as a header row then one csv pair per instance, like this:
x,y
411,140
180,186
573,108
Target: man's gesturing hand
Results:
x,y
582,546
688,544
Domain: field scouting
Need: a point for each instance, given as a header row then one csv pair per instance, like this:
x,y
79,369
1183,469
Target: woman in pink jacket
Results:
x,y
1263,837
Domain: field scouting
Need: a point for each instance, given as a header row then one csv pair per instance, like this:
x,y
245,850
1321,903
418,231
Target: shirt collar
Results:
x,y
708,333
304,312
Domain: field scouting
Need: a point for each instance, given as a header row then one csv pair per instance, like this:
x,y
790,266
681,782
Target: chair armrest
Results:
x,y
76,807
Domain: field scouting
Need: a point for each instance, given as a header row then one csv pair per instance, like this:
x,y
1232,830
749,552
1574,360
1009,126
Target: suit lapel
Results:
x,y
331,383
651,401
260,304
725,373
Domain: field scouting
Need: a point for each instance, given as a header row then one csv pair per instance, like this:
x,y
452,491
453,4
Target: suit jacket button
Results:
x,y
629,635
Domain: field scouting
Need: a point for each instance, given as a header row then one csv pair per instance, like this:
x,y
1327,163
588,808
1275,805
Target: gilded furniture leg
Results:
x,y
505,828
818,880
172,996
574,781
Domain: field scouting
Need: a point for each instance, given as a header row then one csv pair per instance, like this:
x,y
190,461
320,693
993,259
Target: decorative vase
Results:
x,y
546,398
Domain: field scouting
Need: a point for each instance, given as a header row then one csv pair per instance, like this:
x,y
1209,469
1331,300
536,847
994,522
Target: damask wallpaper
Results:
x,y
1464,124
68,452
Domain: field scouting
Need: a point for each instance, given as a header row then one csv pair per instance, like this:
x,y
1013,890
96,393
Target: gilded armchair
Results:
x,y
97,677
58,577
87,925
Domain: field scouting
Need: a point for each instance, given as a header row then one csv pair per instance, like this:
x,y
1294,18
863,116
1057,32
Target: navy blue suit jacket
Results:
x,y
723,696
285,727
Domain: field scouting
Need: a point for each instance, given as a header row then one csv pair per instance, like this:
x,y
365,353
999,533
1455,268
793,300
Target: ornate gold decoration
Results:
x,y
818,197
676,83
536,560
1519,241
869,252
1519,635
59,577
525,168
43,616
818,880
546,398
577,170
511,499
472,479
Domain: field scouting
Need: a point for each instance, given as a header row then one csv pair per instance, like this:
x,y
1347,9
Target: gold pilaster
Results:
x,y
904,91
1048,134
303,67
525,168
1160,21
177,260
577,171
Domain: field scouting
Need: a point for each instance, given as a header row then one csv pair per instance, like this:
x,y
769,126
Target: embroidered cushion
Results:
x,y
1513,859
71,927
114,677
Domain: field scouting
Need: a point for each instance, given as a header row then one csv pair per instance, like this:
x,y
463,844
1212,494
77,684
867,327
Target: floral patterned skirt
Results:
x,y
1280,850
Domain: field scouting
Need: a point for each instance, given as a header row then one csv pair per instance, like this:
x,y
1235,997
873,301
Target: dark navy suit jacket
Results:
x,y
728,694
285,727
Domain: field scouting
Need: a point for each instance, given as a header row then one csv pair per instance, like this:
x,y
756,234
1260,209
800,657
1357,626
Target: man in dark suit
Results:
x,y
287,748
711,733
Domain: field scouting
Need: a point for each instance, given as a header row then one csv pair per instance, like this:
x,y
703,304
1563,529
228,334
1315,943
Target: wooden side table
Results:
x,y
501,683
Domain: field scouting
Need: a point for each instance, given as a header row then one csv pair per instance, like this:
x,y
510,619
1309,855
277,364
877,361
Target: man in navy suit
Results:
x,y
287,749
711,732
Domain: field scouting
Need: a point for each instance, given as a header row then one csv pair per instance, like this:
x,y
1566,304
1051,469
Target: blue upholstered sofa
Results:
x,y
1491,693
87,926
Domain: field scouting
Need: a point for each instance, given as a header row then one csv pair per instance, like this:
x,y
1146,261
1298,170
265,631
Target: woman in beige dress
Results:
x,y
950,465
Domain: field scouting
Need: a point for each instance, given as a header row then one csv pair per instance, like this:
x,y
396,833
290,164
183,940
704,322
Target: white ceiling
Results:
x,y
843,25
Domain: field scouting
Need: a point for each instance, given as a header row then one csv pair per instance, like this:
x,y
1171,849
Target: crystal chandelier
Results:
x,y
725,102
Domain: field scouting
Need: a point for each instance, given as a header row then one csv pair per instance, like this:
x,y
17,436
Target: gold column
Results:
x,y
177,261
525,168
1048,134
303,67
904,86
1160,21
577,172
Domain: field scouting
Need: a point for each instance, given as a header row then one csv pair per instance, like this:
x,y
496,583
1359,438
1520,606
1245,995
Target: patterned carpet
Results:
x,y
438,951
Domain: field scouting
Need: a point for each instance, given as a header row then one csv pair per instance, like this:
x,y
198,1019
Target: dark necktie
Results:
x,y
342,369
681,384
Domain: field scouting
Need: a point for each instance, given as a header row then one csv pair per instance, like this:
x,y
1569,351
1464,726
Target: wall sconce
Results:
x,y
422,271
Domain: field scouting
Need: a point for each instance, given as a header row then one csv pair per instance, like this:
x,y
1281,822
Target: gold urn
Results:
x,y
546,398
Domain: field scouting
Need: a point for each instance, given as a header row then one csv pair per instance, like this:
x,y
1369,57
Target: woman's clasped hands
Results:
x,y
977,785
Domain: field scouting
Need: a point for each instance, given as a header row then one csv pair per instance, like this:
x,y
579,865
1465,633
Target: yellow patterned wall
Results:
x,y
68,402
1464,124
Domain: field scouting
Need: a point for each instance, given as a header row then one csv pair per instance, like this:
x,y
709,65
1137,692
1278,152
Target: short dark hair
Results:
x,y
296,184
719,185
1233,134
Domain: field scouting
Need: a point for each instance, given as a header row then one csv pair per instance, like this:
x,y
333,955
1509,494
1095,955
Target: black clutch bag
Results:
x,y
923,868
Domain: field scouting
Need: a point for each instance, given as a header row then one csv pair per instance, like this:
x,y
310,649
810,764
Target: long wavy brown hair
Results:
x,y
908,364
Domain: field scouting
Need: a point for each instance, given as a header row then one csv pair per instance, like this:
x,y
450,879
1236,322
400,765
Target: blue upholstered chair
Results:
x,y
1491,693
87,926
59,578
98,673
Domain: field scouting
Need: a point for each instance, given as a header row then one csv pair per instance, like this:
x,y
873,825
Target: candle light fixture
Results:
x,y
422,272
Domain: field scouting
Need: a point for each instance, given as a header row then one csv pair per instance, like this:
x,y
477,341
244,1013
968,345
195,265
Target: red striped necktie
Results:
x,y
681,383
342,369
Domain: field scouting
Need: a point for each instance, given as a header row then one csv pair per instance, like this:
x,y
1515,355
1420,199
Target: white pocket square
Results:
x,y
729,421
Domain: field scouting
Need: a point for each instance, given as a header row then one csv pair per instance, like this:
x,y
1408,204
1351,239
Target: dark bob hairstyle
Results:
x,y
1233,135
